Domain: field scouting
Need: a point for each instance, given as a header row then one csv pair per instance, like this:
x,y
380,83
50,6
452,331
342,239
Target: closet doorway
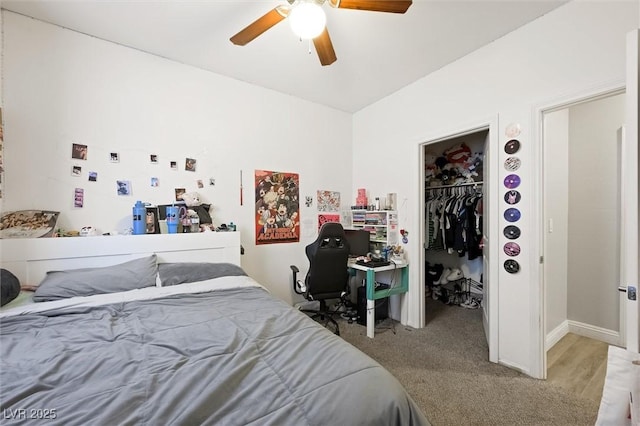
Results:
x,y
455,229
581,237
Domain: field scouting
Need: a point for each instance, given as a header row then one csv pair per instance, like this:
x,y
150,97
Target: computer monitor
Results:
x,y
358,241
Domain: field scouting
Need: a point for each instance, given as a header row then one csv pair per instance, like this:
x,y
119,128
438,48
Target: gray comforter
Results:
x,y
228,357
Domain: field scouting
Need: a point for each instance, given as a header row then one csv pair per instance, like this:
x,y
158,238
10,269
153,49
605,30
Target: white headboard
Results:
x,y
29,259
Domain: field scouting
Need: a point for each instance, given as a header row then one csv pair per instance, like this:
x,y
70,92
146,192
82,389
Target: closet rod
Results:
x,y
454,186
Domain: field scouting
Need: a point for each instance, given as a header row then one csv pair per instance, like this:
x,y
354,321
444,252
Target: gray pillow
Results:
x,y
138,273
189,272
9,287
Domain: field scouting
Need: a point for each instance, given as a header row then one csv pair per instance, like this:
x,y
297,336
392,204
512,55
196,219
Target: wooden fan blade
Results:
x,y
324,48
259,26
392,6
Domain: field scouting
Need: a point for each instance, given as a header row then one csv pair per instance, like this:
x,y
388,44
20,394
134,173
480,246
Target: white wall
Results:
x,y
556,207
575,48
62,87
593,248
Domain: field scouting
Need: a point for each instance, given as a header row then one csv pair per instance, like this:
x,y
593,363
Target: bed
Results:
x,y
204,344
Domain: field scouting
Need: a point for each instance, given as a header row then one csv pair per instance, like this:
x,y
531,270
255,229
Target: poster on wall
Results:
x,y
324,218
328,201
28,224
277,207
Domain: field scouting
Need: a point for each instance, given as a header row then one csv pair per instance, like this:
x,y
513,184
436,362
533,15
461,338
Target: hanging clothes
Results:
x,y
454,220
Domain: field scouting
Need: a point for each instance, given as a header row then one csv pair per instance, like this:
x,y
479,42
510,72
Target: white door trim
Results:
x,y
630,164
538,292
623,295
490,124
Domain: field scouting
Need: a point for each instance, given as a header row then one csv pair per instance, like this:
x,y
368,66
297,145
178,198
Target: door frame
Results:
x,y
491,125
630,276
538,296
622,300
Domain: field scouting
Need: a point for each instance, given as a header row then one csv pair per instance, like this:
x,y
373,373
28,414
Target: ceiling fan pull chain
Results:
x,y
309,46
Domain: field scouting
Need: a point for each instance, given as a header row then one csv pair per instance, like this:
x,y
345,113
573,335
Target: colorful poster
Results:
x,y
324,218
328,201
277,207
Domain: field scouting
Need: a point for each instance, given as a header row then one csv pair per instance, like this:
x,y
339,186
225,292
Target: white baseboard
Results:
x,y
556,334
598,333
485,323
581,329
516,367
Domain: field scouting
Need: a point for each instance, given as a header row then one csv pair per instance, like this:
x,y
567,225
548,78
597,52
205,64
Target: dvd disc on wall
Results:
x,y
512,197
512,232
512,181
511,249
511,266
512,215
512,146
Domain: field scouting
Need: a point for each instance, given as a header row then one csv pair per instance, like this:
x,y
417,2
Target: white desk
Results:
x,y
371,292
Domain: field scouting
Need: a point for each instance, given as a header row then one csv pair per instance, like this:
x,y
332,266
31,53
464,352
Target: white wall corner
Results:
x,y
555,335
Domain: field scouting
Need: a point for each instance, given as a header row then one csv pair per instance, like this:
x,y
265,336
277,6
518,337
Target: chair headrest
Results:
x,y
331,229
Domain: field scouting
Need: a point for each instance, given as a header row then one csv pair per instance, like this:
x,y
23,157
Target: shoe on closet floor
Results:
x,y
444,296
434,272
436,292
443,277
455,274
472,303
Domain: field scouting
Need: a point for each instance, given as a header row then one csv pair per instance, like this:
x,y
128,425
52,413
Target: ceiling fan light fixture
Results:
x,y
307,20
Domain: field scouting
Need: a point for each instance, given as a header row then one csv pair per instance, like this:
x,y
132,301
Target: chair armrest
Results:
x,y
298,285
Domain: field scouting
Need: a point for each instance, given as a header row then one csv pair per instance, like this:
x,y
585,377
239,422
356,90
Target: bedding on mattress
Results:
x,y
216,352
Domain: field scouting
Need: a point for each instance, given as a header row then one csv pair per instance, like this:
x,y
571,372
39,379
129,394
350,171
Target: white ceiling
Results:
x,y
378,53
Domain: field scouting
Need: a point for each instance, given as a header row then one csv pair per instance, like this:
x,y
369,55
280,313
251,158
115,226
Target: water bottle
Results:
x,y
139,217
173,217
186,224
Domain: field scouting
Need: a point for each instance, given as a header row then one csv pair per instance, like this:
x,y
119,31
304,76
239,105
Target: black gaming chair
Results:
x,y
328,275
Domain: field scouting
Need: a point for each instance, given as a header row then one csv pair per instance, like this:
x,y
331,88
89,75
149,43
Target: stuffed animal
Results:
x,y
474,163
458,153
430,167
192,201
430,158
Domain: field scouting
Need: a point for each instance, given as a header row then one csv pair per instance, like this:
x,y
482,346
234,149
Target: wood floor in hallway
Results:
x,y
578,364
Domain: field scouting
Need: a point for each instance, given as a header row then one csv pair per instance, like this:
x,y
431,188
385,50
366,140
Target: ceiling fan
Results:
x,y
308,21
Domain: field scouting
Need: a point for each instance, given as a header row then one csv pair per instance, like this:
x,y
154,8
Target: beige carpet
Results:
x,y
445,369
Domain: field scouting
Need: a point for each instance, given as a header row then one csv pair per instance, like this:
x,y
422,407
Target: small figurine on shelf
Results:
x,y
397,253
186,223
193,203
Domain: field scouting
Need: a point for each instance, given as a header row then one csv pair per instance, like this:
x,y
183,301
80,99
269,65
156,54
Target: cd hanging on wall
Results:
x,y
511,266
513,130
511,249
512,197
511,232
512,146
512,215
512,181
512,164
